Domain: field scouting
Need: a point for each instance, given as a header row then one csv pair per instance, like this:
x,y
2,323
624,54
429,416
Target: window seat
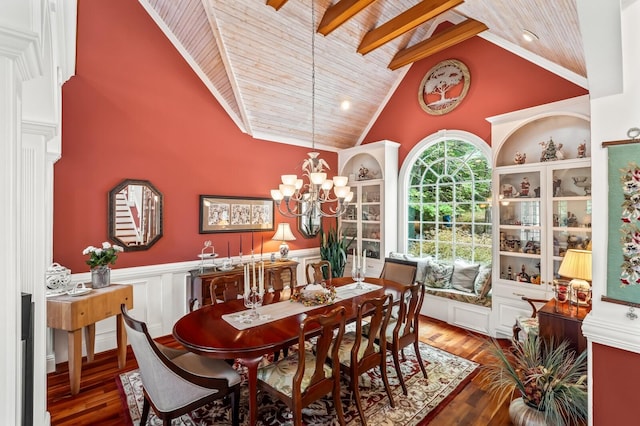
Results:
x,y
457,292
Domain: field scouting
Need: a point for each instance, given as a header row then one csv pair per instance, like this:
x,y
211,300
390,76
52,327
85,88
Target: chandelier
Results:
x,y
313,198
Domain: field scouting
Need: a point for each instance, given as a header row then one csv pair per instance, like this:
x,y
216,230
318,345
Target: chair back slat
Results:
x,y
225,288
400,271
318,271
411,301
328,323
377,311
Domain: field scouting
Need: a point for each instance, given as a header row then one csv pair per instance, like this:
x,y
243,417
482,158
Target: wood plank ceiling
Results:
x,y
255,56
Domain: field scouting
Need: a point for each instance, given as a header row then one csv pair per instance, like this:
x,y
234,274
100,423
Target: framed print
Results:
x,y
235,214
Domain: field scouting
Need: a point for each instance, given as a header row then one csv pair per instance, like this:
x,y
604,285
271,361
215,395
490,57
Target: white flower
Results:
x,y
106,245
117,248
98,251
88,250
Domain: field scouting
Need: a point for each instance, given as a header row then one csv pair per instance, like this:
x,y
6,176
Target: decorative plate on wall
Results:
x,y
444,87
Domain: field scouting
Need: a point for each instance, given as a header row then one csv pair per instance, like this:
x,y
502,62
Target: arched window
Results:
x,y
445,186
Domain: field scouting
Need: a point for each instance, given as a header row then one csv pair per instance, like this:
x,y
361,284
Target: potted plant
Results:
x,y
550,378
333,248
99,260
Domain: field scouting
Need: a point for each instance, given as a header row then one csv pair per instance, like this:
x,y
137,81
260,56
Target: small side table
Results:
x,y
563,324
72,313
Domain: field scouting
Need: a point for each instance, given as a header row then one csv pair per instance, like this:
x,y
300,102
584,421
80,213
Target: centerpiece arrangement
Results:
x,y
551,379
99,260
314,294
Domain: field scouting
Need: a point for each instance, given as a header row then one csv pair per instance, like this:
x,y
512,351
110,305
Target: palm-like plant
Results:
x,y
333,248
550,378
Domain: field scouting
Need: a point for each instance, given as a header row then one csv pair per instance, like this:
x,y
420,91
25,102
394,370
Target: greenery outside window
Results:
x,y
448,200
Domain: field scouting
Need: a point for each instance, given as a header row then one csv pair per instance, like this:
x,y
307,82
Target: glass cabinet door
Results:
x,y
521,237
571,211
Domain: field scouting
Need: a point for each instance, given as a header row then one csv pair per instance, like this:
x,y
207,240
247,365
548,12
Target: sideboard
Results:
x,y
277,275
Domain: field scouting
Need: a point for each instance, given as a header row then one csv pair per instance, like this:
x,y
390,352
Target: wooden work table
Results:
x,y
72,313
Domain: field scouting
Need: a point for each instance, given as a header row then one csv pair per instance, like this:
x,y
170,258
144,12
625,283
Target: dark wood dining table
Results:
x,y
205,332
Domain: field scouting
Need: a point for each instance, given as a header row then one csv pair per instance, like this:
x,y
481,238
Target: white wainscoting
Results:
x,y
160,298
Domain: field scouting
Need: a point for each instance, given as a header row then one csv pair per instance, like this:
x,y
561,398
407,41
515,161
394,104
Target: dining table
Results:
x,y
225,331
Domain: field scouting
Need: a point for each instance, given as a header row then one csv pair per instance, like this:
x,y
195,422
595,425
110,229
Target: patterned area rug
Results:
x,y
447,376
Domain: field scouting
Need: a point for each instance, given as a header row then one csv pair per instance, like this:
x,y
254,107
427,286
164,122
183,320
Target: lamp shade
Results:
x,y
283,233
576,264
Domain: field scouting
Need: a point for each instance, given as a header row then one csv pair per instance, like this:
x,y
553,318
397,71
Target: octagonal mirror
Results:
x,y
135,214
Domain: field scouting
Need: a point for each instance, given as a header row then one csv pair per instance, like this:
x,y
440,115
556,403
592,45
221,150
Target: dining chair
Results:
x,y
399,270
304,376
361,351
279,278
225,288
403,331
176,382
528,324
317,271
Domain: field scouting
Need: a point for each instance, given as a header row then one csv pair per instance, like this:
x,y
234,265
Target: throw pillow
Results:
x,y
482,283
438,274
464,275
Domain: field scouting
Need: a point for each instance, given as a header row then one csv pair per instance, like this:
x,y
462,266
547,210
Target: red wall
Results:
x,y
136,110
616,373
500,82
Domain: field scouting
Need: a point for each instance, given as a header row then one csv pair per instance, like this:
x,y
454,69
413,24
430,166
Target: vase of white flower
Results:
x,y
99,261
100,276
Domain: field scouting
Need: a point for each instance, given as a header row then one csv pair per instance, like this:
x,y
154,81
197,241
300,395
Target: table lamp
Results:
x,y
577,266
284,234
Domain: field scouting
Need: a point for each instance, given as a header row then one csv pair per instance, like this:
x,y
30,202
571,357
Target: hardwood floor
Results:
x,y
98,402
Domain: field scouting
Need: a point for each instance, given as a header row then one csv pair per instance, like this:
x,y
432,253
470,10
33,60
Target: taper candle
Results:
x,y
228,251
240,243
261,244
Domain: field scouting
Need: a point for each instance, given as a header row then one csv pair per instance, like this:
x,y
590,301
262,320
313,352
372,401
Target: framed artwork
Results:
x,y
444,87
235,214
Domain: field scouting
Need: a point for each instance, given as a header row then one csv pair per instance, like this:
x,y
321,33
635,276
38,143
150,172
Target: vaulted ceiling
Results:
x,y
255,56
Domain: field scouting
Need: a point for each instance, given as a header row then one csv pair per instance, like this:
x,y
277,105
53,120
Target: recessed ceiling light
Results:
x,y
345,105
529,36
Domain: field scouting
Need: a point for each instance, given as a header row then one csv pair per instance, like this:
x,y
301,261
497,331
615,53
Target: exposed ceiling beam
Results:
x,y
340,13
276,4
440,41
404,22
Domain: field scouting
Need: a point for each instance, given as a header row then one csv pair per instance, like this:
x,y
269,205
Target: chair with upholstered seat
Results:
x,y
175,382
225,288
304,376
318,271
528,325
403,331
363,349
399,270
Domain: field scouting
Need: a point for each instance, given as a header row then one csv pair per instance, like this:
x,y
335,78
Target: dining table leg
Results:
x,y
252,372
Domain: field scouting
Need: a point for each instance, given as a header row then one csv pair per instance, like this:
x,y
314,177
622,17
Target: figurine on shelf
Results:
x,y
556,186
524,187
583,182
509,275
520,158
548,151
559,152
572,220
582,150
363,173
523,276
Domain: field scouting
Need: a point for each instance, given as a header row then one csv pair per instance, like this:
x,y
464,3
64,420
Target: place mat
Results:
x,y
275,311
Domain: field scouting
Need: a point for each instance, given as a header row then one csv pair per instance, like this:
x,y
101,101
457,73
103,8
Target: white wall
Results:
x,y
36,56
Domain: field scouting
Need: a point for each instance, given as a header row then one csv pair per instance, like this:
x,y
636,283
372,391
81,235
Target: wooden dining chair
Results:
x,y
304,376
527,325
281,277
399,270
403,331
225,288
317,271
176,382
361,351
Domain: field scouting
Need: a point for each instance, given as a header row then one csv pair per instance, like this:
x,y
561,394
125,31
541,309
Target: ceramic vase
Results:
x,y
522,414
100,276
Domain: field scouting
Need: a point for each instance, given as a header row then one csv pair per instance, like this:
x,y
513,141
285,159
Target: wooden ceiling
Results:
x,y
255,56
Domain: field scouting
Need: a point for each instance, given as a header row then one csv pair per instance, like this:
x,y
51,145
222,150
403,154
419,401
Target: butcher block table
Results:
x,y
73,313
